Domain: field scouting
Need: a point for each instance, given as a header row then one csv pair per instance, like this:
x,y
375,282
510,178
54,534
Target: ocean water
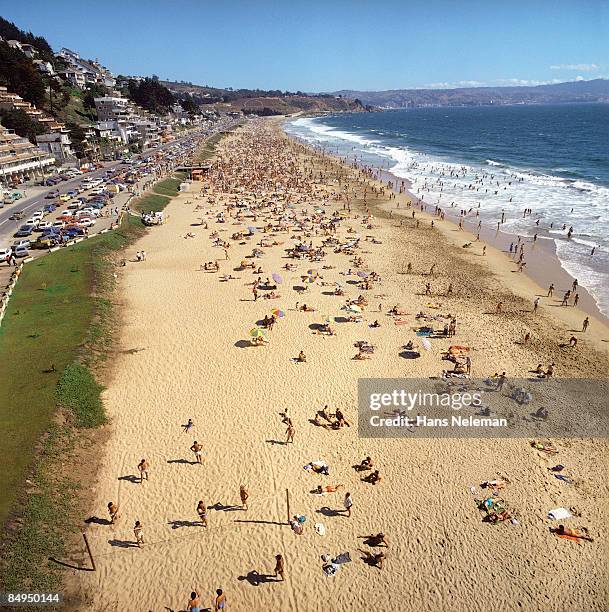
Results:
x,y
492,161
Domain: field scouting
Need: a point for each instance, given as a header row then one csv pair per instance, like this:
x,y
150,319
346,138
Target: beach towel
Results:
x,y
330,569
558,514
568,537
342,558
320,529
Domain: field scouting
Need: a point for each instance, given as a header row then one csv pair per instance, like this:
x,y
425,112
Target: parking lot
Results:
x,y
80,204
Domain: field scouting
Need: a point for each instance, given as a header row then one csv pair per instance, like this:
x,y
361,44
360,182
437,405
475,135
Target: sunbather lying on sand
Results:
x,y
571,534
327,489
544,448
366,464
373,478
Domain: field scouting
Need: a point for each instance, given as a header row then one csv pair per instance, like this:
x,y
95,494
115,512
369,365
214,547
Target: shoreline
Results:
x,y
542,267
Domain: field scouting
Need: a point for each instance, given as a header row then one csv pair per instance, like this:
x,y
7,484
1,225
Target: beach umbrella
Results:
x,y
278,313
309,279
257,332
277,278
362,274
426,344
252,229
328,319
353,308
312,272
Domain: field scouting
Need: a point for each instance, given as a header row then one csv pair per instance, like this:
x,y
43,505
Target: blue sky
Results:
x,y
317,45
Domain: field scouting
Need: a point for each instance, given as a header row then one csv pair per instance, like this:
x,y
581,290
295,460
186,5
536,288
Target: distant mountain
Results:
x,y
262,102
596,90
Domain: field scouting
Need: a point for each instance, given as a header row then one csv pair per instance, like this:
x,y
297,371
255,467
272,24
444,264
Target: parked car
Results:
x,y
43,225
4,253
65,197
73,231
24,230
20,251
33,222
74,204
49,208
51,195
46,242
20,243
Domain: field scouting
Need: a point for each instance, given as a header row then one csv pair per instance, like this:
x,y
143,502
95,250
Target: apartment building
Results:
x,y
20,159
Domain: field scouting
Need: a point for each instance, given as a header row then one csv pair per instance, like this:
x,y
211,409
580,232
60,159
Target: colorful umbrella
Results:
x,y
309,279
277,278
312,272
278,313
257,332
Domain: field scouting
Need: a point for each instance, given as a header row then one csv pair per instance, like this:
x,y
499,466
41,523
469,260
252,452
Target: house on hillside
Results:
x,y
76,77
57,144
44,67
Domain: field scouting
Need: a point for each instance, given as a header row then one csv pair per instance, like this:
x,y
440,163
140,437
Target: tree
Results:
x,y
151,95
20,76
189,105
79,140
93,90
22,123
9,31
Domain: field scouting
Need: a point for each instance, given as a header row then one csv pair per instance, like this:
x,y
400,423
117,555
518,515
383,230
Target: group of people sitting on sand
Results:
x,y
325,419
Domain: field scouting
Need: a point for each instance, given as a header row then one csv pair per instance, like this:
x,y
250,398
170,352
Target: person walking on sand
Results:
x,y
348,503
188,426
585,324
576,300
536,304
501,381
499,308
194,603
113,512
290,431
202,512
197,449
243,494
220,603
551,290
138,531
143,466
279,567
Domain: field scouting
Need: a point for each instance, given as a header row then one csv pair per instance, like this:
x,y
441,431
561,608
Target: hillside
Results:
x,y
596,90
261,102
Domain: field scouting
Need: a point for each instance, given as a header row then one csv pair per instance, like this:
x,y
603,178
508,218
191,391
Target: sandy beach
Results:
x,y
185,352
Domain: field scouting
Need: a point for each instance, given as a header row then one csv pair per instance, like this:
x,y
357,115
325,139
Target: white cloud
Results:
x,y
578,67
579,77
